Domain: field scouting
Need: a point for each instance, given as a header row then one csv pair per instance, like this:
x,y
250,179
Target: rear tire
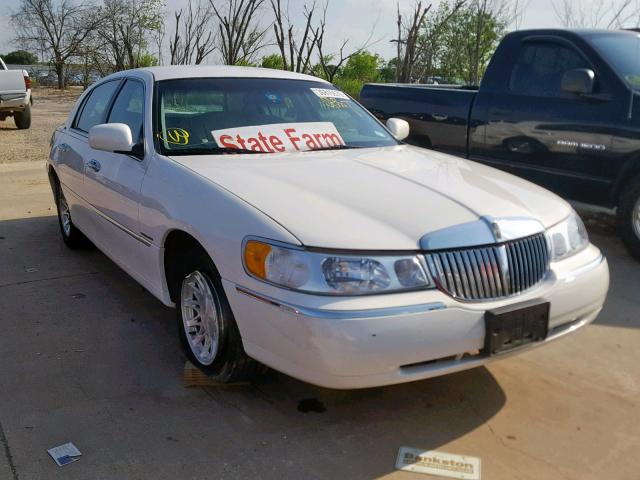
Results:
x,y
629,217
208,332
72,237
23,119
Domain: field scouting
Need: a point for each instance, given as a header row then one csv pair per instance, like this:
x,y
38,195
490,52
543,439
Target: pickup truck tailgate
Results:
x,y
11,83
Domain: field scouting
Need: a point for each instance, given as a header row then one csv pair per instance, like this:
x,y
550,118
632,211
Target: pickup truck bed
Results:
x,y
438,115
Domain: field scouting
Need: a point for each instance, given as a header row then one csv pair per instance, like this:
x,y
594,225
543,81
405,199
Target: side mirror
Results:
x,y
111,137
580,81
399,128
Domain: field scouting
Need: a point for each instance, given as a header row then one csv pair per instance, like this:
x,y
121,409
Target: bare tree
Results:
x,y
296,46
518,11
607,14
126,28
239,32
332,62
193,38
57,28
412,45
407,40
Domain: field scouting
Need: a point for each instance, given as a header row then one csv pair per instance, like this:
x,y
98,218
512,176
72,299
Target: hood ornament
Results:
x,y
484,231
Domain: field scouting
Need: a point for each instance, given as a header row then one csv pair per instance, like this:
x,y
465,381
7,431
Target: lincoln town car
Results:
x,y
289,228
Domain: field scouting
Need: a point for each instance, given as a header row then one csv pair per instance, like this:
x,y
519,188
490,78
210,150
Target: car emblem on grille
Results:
x,y
495,227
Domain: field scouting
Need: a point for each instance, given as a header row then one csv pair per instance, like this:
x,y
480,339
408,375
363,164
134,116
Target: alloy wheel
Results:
x,y
201,317
65,214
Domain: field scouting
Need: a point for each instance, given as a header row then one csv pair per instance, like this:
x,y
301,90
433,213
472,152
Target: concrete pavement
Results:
x,y
86,355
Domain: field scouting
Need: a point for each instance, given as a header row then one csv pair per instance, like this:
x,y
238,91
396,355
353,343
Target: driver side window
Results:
x,y
128,108
540,67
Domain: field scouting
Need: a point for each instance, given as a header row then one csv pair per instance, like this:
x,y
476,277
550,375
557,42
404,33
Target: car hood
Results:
x,y
376,198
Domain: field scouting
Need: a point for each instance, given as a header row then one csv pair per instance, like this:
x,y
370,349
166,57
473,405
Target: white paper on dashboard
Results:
x,y
329,93
280,137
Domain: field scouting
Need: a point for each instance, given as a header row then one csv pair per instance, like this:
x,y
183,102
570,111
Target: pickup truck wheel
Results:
x,y
629,217
72,237
23,119
208,332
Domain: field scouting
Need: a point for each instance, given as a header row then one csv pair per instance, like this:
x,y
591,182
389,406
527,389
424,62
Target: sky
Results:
x,y
347,19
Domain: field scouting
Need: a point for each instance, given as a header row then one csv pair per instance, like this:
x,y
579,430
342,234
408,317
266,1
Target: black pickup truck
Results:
x,y
558,107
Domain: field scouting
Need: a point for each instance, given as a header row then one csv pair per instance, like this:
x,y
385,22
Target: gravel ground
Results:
x,y
50,109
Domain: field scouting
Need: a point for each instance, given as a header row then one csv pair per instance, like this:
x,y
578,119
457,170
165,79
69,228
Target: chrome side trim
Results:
x,y
342,314
140,238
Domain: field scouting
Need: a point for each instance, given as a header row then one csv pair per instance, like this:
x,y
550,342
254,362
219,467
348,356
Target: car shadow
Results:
x,y
103,348
622,299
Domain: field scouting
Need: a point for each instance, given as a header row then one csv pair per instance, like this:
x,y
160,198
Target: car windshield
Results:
x,y
622,51
249,115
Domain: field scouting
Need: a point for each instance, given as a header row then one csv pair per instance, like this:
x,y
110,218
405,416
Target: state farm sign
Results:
x,y
280,137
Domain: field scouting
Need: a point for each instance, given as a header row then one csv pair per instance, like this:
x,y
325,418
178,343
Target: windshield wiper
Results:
x,y
335,147
213,151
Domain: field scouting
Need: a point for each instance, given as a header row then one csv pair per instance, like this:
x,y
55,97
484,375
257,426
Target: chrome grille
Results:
x,y
493,271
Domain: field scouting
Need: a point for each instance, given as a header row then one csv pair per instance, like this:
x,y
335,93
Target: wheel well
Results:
x,y
627,175
53,180
178,246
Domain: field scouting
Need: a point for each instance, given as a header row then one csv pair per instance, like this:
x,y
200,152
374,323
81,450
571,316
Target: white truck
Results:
x,y
15,96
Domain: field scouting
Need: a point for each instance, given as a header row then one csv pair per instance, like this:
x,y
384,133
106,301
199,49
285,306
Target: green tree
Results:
x,y
457,43
273,61
147,60
20,57
387,72
361,68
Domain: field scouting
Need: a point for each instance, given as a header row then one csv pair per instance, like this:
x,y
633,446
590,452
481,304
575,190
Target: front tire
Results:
x,y
23,119
209,335
629,217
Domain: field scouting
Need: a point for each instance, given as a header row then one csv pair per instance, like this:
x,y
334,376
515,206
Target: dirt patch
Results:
x,y
50,109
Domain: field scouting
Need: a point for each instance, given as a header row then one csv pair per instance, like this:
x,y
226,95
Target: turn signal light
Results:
x,y
255,256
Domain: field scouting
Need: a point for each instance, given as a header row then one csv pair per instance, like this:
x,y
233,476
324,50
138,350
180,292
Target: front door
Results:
x,y
554,138
113,182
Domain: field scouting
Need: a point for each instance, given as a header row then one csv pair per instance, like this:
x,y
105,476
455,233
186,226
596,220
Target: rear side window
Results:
x,y
95,107
129,108
540,68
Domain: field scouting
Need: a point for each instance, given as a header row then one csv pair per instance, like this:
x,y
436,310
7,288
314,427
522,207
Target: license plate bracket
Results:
x,y
514,326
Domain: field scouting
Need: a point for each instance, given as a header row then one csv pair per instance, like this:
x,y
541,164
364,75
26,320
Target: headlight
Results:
x,y
567,238
333,274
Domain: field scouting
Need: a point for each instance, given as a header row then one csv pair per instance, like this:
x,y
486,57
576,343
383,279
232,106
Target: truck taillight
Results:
x,y
27,82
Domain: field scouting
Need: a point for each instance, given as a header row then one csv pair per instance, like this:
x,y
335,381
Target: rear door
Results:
x,y
554,138
113,182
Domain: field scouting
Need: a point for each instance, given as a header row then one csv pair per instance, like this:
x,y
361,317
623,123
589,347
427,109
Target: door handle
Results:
x,y
440,117
94,165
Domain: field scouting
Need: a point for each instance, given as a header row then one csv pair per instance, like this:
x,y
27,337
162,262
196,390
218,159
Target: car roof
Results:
x,y
580,32
222,71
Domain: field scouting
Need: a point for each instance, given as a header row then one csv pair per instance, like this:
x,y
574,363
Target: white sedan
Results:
x,y
289,228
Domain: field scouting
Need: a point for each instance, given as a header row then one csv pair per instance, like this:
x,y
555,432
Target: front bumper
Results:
x,y
367,342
